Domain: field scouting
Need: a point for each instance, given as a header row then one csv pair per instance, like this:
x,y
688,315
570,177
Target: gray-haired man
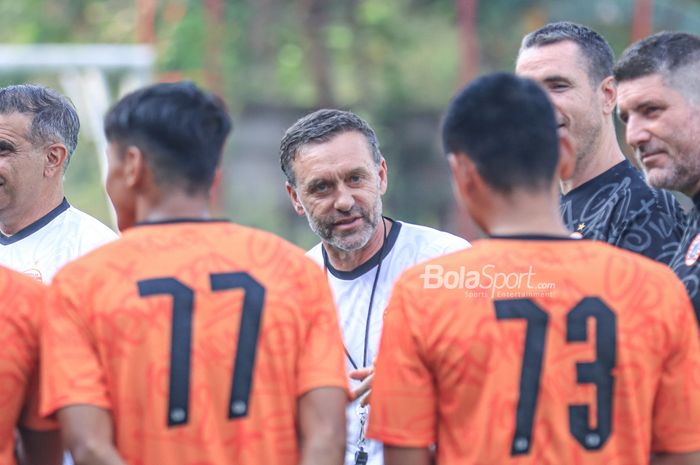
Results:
x,y
659,102
606,198
39,230
336,176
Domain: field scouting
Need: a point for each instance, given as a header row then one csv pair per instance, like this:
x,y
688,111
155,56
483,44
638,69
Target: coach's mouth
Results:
x,y
649,157
348,223
561,125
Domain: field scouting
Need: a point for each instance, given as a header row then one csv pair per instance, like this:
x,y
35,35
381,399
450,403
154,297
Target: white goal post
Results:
x,y
84,72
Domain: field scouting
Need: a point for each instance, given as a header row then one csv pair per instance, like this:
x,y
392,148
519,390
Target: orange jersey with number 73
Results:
x,y
530,350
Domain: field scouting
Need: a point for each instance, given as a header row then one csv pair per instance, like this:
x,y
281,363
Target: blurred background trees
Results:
x,y
394,62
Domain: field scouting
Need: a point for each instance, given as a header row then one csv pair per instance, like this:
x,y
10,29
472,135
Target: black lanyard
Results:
x,y
371,300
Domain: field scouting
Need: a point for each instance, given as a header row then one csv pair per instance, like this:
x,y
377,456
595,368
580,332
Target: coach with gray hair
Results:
x,y
336,176
606,198
39,230
659,102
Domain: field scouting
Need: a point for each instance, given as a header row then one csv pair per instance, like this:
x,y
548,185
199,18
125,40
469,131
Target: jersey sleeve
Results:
x,y
676,411
71,371
403,401
29,307
321,361
31,419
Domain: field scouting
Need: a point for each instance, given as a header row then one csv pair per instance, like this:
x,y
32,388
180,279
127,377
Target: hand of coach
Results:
x,y
363,391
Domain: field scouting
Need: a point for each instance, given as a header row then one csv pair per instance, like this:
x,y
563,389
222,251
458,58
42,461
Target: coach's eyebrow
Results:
x,y
556,79
641,108
358,172
314,184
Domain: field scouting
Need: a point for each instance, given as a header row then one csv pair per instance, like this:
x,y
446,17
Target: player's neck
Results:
x,y
525,213
604,156
348,261
173,205
19,216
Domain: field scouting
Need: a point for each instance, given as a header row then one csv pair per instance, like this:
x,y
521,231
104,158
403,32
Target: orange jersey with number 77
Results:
x,y
198,336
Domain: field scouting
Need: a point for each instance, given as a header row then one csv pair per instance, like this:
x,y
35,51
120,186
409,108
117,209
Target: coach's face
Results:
x,y
339,189
663,127
580,105
23,166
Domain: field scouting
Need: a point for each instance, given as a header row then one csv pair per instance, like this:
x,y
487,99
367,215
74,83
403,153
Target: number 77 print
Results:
x,y
181,346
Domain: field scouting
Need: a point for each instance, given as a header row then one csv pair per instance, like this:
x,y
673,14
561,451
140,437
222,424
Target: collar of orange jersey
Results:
x,y
182,220
533,237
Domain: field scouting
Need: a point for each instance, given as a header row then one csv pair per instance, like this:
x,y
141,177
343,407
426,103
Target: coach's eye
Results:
x,y
652,111
558,86
320,188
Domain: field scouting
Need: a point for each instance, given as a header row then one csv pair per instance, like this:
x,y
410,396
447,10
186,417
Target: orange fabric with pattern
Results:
x,y
117,305
20,314
613,332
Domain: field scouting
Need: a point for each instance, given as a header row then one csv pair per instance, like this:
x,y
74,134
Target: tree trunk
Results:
x,y
468,39
215,13
146,21
642,18
314,20
263,22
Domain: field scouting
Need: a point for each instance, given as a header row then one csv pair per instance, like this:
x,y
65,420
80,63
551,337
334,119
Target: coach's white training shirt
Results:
x,y
43,247
405,245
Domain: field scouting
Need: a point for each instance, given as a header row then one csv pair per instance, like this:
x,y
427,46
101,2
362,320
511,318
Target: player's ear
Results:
x,y
464,175
135,166
609,95
56,154
567,157
383,178
215,187
294,197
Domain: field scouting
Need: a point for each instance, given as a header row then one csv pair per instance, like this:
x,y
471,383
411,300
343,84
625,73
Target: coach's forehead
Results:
x,y
343,152
558,57
633,93
15,125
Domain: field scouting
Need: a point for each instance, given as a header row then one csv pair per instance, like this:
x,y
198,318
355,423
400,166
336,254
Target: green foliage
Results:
x,y
395,62
43,21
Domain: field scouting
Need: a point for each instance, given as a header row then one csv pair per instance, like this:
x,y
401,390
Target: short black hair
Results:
x,y
321,126
506,125
665,53
54,118
594,48
180,128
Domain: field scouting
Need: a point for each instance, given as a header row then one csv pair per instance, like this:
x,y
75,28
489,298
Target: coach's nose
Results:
x,y
636,132
344,200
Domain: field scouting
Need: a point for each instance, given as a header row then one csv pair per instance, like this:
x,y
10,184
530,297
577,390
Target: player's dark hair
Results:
x,y
321,126
665,53
54,118
506,125
180,128
594,48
